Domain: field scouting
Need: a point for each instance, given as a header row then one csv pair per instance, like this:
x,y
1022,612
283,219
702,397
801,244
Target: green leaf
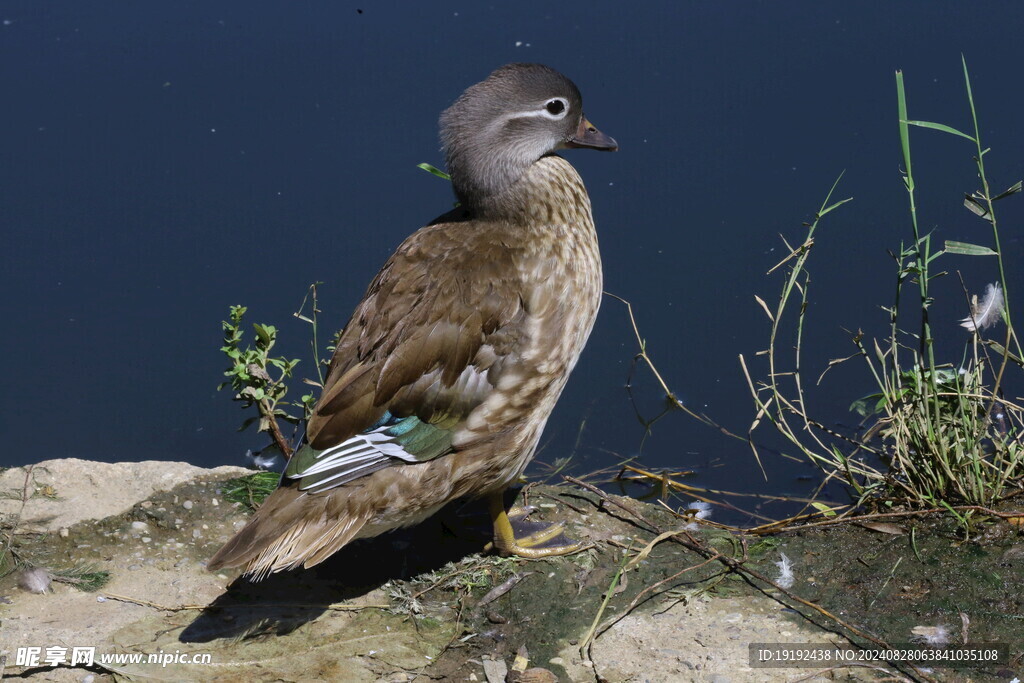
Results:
x,y
976,207
868,405
266,333
824,509
1001,350
429,168
1009,191
236,314
901,105
968,249
939,126
834,206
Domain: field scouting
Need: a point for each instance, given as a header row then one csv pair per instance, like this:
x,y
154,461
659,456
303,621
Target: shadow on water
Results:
x,y
283,602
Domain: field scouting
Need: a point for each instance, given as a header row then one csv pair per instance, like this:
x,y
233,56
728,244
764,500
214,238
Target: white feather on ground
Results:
x,y
699,510
986,312
786,578
35,580
936,636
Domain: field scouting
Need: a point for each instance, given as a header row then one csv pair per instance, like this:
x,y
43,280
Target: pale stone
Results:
x,y
92,490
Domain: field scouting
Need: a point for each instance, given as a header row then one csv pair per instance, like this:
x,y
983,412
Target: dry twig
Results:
x,y
688,541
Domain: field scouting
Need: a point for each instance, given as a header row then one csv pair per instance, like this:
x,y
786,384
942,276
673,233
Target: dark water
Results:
x,y
161,162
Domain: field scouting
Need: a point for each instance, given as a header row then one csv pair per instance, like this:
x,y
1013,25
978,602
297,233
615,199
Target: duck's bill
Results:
x,y
587,135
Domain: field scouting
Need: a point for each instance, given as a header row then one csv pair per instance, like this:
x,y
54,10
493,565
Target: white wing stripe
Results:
x,y
349,449
355,453
321,485
331,465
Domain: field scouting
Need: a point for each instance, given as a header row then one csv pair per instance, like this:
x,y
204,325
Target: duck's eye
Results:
x,y
556,108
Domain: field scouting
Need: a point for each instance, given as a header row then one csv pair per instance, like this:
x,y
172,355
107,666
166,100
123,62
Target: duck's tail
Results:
x,y
290,529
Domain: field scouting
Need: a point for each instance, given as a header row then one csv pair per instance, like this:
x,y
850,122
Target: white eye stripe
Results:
x,y
548,110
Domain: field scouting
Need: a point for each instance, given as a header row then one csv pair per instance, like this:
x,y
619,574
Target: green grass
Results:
x,y
251,490
939,433
84,578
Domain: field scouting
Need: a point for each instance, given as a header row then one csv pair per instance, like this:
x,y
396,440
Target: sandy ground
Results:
x,y
402,608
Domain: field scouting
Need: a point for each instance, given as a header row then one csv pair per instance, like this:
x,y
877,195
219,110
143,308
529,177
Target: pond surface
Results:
x,y
161,163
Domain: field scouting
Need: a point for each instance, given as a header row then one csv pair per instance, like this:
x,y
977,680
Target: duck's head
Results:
x,y
499,127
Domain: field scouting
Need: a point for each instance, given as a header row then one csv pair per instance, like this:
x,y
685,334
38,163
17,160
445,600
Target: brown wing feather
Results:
x,y
419,327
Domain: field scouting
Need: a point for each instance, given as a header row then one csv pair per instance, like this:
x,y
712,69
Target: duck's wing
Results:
x,y
437,328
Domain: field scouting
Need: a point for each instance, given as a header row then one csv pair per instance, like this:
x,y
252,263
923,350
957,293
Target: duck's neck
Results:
x,y
548,191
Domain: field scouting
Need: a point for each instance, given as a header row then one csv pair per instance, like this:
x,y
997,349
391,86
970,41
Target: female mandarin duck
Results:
x,y
445,375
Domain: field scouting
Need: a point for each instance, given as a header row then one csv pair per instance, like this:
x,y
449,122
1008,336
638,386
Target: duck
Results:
x,y
444,377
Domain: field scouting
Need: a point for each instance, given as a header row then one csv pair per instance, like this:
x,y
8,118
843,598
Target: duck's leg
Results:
x,y
533,540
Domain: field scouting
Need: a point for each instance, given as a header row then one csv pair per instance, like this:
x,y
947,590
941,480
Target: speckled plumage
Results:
x,y
446,374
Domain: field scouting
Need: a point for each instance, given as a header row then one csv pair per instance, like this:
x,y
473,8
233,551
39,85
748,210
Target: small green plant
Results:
x,y
943,433
252,370
84,578
249,375
250,490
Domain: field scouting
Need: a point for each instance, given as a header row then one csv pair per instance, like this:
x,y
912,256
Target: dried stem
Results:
x,y
688,541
